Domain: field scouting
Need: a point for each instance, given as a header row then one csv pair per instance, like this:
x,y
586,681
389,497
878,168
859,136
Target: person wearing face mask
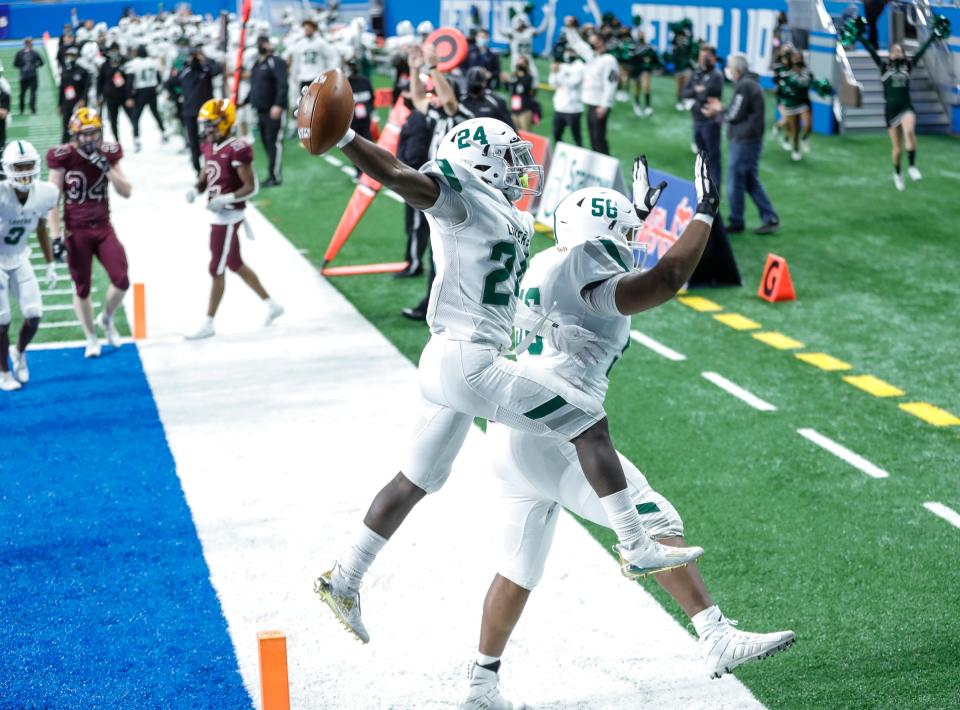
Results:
x,y
900,115
268,95
144,76
195,80
113,88
705,84
567,81
74,85
482,102
480,55
522,91
601,76
5,95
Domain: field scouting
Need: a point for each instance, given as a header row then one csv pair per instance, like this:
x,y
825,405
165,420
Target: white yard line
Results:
x,y
942,511
843,452
61,324
392,195
657,347
738,392
65,307
281,436
336,162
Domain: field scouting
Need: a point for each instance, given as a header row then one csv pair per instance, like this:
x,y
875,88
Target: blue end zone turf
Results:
x,y
105,597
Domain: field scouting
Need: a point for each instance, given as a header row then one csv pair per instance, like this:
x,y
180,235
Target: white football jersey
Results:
x,y
480,244
145,72
312,56
18,222
554,284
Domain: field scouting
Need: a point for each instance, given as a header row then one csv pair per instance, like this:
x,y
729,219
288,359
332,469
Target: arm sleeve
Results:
x,y
611,81
577,44
923,48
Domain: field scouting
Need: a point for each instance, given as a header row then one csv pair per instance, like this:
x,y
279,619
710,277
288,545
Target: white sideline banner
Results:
x,y
573,168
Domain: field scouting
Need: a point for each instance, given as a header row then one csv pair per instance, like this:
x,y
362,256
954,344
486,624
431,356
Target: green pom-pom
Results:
x,y
511,13
941,26
852,30
529,8
637,20
822,87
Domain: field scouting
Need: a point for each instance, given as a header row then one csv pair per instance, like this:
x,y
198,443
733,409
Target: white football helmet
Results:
x,y
493,152
404,28
424,29
598,213
21,164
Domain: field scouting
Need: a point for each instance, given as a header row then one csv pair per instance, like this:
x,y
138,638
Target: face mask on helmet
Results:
x,y
88,140
209,130
21,165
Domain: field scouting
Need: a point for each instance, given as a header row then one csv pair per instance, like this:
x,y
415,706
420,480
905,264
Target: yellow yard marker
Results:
x,y
824,361
930,414
874,385
698,303
737,321
778,340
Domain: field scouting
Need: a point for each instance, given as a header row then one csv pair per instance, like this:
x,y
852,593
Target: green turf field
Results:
x,y
795,537
43,130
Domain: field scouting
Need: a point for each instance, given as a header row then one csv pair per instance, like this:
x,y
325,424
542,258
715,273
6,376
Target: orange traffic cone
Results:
x,y
776,284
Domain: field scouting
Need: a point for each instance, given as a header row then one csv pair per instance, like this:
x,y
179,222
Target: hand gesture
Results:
x,y
430,55
644,197
579,343
415,58
100,161
708,197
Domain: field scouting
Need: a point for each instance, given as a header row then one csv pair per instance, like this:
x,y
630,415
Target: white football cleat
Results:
x,y
637,111
274,311
914,172
484,692
898,182
8,384
109,329
805,145
345,607
796,155
20,370
648,111
724,647
786,145
206,331
92,349
646,556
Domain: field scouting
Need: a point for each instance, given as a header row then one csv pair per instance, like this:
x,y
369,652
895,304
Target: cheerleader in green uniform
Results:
x,y
642,62
900,114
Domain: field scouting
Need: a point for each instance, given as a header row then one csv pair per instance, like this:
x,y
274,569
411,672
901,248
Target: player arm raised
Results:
x,y
639,292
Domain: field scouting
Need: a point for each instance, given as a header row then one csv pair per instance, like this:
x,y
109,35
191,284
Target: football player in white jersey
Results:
x,y
25,201
481,241
310,55
586,278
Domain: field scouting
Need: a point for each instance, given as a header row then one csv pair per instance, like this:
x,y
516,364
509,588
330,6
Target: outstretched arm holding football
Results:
x,y
639,292
417,190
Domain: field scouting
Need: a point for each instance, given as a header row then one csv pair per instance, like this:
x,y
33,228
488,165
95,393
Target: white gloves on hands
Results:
x,y
644,197
191,195
220,202
50,279
579,343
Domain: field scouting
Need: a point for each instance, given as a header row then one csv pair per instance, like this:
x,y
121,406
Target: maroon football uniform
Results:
x,y
220,163
86,202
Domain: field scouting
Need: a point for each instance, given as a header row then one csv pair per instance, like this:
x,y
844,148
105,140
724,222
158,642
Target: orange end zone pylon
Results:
x,y
776,284
274,681
139,312
368,188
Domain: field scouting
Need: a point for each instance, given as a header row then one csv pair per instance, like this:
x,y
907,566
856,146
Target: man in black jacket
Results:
x,y
74,87
196,83
705,84
113,88
28,61
744,118
268,95
482,102
413,149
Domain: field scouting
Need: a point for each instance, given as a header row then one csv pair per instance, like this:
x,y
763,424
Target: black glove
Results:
x,y
100,161
59,249
708,197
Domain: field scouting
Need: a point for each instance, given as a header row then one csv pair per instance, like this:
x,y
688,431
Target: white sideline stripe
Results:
x,y
66,307
657,347
65,291
333,161
738,392
60,324
347,170
942,511
393,196
843,452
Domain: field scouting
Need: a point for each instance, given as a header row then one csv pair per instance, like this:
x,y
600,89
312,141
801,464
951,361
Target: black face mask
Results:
x,y
408,103
263,49
476,89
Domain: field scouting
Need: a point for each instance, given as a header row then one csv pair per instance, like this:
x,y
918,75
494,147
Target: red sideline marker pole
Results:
x,y
244,18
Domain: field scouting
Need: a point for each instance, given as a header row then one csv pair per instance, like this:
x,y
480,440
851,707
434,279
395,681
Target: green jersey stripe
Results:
x,y
546,408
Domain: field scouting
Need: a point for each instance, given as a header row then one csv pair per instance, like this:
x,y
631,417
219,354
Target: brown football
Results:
x,y
325,112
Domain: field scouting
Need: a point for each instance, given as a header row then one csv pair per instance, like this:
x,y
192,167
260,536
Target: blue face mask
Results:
x,y
483,42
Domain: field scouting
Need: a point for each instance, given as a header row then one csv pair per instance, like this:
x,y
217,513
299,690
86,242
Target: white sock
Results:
x,y
484,660
352,566
707,619
208,321
92,338
270,302
623,517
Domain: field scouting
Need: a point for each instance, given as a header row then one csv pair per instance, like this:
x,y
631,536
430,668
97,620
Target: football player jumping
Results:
x,y
82,170
228,180
586,278
481,242
25,202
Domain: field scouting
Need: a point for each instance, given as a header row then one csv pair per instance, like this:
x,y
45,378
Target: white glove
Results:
x,y
220,202
50,280
191,195
579,343
644,197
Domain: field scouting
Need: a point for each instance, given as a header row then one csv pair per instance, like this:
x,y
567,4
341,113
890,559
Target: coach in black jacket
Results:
x,y
413,149
745,121
268,95
196,84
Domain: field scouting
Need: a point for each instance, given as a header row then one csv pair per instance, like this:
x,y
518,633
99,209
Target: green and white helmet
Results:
x,y
21,164
493,152
598,213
